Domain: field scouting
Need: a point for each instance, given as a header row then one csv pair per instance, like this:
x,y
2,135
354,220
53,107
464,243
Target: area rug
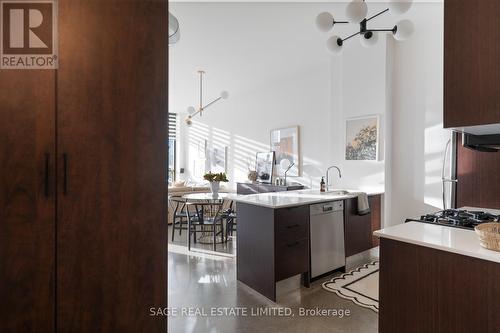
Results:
x,y
359,285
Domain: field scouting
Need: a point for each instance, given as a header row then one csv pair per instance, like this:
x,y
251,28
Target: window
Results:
x,y
172,148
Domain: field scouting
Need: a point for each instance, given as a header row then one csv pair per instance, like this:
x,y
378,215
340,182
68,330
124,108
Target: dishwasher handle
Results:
x,y
327,207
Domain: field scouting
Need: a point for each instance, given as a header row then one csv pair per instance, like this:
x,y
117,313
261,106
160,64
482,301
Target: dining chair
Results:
x,y
179,214
230,216
208,216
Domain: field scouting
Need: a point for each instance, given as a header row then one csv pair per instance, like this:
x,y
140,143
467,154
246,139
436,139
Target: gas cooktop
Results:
x,y
458,218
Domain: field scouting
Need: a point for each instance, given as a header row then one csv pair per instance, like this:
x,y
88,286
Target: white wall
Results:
x,y
358,89
273,62
416,108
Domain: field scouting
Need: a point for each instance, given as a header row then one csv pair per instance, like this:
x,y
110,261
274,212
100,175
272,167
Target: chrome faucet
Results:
x,y
328,178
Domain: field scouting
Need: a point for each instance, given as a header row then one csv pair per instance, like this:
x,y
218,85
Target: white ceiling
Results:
x,y
243,46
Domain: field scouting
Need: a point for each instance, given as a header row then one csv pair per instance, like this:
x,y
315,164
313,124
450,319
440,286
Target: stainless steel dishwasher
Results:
x,y
327,237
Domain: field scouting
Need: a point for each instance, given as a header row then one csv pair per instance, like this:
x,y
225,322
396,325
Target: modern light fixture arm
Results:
x,y
212,102
194,114
357,12
192,111
384,30
368,33
364,28
202,108
349,37
201,89
378,14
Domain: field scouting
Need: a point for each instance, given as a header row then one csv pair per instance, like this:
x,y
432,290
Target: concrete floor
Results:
x,y
201,281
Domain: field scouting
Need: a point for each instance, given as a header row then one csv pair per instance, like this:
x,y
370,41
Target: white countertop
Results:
x,y
293,198
460,241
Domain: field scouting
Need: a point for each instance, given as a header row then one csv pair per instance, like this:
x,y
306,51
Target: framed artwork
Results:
x,y
199,161
362,136
285,144
217,159
264,164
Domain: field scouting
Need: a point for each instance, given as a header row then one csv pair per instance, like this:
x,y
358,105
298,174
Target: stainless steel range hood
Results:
x,y
489,143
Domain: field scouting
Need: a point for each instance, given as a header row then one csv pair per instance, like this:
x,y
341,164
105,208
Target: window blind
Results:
x,y
172,125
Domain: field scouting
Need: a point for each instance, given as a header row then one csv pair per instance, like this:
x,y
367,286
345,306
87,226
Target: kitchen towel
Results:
x,y
363,205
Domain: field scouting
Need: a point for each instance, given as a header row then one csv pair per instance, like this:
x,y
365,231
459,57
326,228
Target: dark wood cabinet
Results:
x,y
27,200
471,70
83,243
428,290
273,244
255,188
292,258
112,116
291,241
359,229
292,224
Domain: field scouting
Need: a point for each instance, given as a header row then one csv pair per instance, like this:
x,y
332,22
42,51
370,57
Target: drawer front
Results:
x,y
292,258
291,224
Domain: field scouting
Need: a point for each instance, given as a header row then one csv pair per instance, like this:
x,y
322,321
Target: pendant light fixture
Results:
x,y
174,33
400,6
193,112
356,11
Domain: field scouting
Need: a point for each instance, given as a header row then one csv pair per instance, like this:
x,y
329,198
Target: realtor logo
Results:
x,y
28,34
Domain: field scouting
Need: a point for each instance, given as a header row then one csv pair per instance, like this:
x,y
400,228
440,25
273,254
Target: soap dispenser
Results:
x,y
322,184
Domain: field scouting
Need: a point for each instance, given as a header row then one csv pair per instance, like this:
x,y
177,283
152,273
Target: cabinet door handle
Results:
x,y
65,174
46,175
292,226
292,244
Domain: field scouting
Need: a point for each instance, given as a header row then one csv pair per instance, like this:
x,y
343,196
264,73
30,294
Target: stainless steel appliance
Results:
x,y
327,237
449,173
458,218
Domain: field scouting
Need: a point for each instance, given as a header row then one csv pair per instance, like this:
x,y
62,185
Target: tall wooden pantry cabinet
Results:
x,y
83,175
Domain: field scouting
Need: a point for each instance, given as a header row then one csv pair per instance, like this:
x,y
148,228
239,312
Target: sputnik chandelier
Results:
x,y
356,12
193,112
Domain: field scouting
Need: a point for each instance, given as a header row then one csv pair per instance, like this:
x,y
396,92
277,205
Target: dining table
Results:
x,y
206,197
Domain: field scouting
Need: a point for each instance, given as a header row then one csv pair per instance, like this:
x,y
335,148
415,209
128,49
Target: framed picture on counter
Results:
x,y
264,164
362,138
285,144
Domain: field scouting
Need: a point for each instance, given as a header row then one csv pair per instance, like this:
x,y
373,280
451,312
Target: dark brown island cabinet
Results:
x,y
82,175
471,70
438,292
274,244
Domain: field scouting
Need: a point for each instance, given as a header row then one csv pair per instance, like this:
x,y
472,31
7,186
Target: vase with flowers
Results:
x,y
215,179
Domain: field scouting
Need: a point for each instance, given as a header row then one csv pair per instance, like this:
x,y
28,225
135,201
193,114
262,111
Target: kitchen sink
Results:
x,y
337,192
317,192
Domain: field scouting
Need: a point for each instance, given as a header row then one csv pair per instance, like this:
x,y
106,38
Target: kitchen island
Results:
x,y
274,234
436,278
